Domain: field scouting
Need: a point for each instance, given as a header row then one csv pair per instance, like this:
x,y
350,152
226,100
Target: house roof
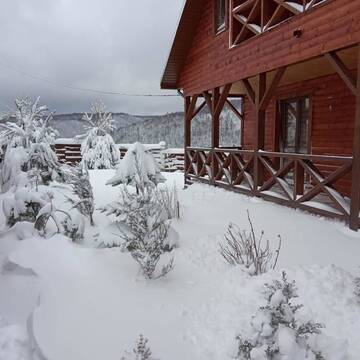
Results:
x,y
182,42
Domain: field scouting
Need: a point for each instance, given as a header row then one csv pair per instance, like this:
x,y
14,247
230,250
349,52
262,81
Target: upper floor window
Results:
x,y
220,15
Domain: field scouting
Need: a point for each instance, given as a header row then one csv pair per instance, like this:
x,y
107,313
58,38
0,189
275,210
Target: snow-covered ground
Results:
x,y
92,303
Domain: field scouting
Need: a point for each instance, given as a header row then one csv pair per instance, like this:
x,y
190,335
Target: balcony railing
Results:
x,y
315,183
249,18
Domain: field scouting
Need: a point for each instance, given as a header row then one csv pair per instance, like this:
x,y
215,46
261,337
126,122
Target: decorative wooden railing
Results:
x,y
308,182
249,18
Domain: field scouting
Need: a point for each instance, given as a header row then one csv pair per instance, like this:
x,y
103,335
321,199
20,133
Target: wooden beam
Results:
x,y
191,108
196,112
187,137
273,86
215,134
187,123
249,90
355,185
342,71
208,101
234,109
223,97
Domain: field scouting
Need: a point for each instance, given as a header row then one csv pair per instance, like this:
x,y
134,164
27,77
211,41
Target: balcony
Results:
x,y
249,18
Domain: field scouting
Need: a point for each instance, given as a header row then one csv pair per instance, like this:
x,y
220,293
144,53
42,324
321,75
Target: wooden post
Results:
x,y
355,185
187,133
260,89
215,134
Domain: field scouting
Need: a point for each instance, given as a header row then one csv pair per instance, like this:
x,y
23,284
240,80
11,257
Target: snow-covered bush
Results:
x,y
357,289
23,205
168,198
246,249
80,181
141,351
138,168
74,228
144,230
275,332
143,221
27,143
98,150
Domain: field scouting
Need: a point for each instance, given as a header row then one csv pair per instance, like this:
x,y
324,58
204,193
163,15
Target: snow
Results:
x,y
137,167
91,303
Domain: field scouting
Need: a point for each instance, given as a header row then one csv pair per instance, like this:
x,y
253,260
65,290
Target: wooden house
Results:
x,y
295,65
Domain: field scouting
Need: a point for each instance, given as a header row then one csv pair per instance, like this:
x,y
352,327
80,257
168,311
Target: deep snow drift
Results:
x,y
91,303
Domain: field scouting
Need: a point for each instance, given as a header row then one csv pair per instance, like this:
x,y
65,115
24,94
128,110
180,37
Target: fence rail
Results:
x,y
316,183
169,160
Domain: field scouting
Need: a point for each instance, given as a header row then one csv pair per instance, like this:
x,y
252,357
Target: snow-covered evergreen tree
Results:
x,y
138,168
143,230
276,334
80,182
98,149
27,143
143,219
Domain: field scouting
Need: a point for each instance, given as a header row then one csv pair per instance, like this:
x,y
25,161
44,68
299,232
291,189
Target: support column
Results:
x,y
187,135
355,185
215,126
260,89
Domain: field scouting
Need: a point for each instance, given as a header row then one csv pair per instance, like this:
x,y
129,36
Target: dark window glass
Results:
x,y
295,115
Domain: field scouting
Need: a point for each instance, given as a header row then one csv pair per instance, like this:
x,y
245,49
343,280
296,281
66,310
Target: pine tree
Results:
x,y
276,321
98,149
140,352
80,181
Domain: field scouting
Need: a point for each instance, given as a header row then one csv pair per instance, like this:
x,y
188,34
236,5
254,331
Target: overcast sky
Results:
x,y
111,45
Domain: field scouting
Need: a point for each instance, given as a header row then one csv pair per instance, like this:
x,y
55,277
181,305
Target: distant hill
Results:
x,y
153,129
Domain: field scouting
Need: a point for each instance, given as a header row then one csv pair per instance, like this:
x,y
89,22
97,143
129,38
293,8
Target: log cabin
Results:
x,y
295,67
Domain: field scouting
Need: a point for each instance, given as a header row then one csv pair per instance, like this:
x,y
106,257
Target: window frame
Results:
x,y
224,26
282,114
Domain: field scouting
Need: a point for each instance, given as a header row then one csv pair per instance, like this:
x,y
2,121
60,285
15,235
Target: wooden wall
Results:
x,y
332,118
210,63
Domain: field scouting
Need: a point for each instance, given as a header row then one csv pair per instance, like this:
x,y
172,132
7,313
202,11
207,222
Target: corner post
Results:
x,y
355,184
187,135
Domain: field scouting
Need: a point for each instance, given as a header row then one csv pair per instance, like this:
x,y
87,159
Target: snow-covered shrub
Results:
x,y
275,332
27,143
144,230
80,181
141,351
244,248
74,228
23,205
49,211
98,150
143,222
138,168
168,198
357,289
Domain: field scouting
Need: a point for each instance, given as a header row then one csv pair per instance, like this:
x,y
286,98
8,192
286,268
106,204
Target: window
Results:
x,y
220,15
295,125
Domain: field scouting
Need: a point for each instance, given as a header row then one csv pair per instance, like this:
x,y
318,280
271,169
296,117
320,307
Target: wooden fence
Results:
x,y
69,152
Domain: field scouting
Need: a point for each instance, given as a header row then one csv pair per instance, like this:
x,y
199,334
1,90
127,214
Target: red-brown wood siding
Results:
x,y
333,113
210,62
